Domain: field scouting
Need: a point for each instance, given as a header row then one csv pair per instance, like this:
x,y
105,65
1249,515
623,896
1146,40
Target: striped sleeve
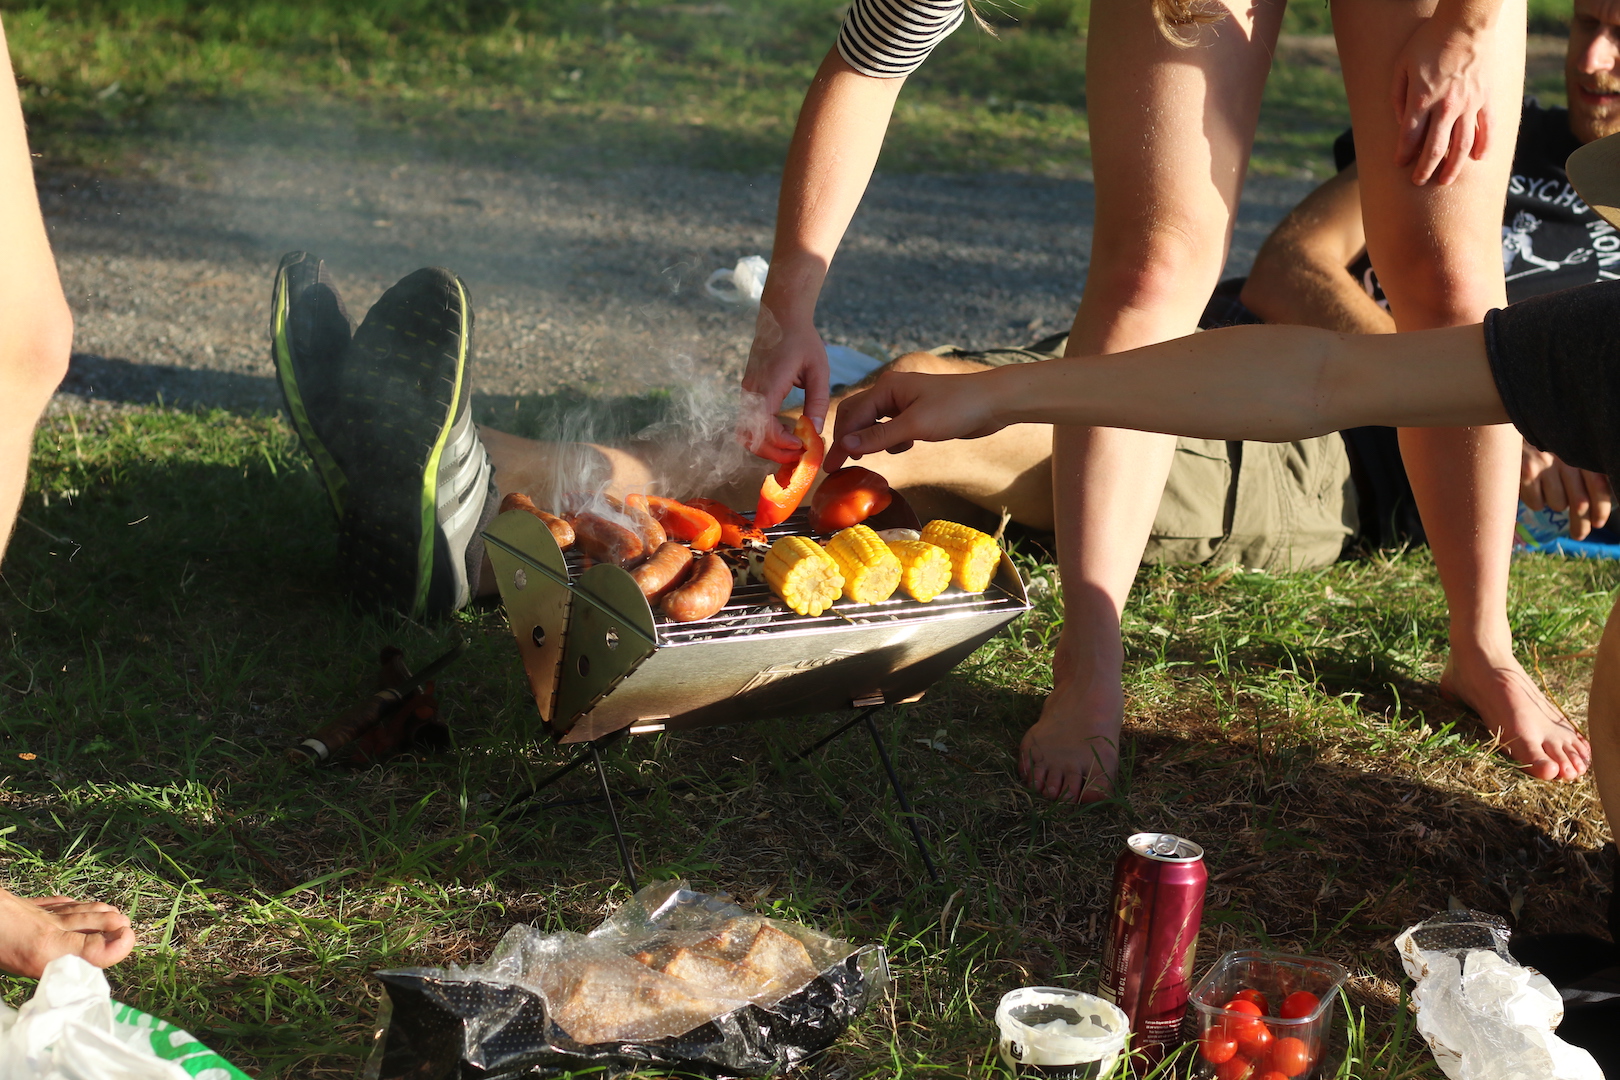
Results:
x,y
889,39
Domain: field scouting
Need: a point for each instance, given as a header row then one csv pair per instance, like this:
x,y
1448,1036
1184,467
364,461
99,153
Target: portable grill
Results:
x,y
602,666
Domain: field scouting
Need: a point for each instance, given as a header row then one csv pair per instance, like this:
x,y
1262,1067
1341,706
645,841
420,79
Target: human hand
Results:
x,y
780,359
1547,483
1441,100
929,408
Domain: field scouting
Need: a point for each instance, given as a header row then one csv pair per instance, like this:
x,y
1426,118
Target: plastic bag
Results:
x,y
1484,1016
743,284
72,1029
674,977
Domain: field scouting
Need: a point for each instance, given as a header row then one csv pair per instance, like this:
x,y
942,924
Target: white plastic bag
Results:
x,y
743,284
1483,1015
72,1029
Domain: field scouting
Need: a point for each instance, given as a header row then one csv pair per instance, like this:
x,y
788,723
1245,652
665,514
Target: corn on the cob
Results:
x,y
806,578
925,570
871,571
974,555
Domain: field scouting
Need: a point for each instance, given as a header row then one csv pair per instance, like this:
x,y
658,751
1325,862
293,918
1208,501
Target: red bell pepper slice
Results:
x,y
735,530
685,523
782,491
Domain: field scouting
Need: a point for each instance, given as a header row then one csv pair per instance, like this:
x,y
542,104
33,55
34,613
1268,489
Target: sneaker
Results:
x,y
309,335
419,486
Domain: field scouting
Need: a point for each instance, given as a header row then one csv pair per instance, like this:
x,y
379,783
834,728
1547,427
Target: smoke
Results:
x,y
698,446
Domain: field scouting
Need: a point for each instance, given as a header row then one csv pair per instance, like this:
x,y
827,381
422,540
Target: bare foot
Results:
x,y
1072,752
35,932
1532,731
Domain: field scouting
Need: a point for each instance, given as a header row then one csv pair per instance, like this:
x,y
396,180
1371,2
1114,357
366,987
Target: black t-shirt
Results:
x,y
1551,240
1556,362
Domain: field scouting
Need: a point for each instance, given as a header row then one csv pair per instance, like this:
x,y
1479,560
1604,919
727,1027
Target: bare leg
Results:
x,y
1603,719
1438,253
35,932
1171,130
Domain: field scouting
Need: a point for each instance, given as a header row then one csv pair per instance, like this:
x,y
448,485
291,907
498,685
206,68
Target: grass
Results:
x,y
570,84
171,627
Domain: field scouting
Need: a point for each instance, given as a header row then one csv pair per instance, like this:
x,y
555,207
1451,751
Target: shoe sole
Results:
x,y
403,421
295,274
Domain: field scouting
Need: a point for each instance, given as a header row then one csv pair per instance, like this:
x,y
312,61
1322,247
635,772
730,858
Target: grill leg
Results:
x,y
899,794
613,816
579,759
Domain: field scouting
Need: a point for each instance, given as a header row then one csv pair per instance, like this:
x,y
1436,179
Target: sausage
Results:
x,y
604,540
705,593
561,531
652,533
667,568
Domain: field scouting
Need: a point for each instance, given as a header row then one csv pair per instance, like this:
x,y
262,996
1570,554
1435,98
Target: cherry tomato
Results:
x,y
1271,1074
1239,1015
1255,996
1236,1068
1290,1056
1216,1046
1254,1040
848,497
1298,1004
1244,1005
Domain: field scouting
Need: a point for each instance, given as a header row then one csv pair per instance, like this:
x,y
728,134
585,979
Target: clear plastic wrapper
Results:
x,y
1484,1016
674,977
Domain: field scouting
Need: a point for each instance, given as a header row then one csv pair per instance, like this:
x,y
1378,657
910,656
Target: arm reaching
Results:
x,y
1264,383
835,147
1440,95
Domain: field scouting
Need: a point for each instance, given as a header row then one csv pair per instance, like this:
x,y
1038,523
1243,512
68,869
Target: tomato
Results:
x,y
1253,1040
1216,1046
1243,1005
1254,996
1235,1068
1298,1004
1290,1056
1271,1074
848,497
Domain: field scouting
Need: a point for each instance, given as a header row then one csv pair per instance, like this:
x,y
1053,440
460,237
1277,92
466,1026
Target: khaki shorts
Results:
x,y
1265,506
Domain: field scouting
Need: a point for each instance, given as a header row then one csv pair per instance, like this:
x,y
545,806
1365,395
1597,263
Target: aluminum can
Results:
x,y
1158,906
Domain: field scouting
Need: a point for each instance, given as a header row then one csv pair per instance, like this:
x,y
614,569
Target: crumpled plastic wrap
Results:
x,y
1484,1016
674,977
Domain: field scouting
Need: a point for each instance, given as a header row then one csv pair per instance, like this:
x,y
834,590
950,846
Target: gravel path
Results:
x,y
590,281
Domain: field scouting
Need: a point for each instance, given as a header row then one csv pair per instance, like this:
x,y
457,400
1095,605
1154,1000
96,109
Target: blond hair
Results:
x,y
1179,20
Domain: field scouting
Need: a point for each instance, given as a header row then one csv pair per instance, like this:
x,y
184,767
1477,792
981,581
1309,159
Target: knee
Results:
x,y
929,364
1170,266
37,352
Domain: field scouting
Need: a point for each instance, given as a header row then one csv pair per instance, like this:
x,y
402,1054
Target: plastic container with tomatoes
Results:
x,y
1265,1014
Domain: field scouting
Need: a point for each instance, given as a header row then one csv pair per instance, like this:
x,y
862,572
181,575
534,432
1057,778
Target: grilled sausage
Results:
x,y
705,593
667,568
604,540
561,531
652,533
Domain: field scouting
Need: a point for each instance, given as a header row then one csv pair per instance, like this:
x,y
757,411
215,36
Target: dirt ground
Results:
x,y
588,281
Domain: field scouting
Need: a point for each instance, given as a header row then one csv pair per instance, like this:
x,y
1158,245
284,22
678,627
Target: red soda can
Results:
x,y
1158,905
